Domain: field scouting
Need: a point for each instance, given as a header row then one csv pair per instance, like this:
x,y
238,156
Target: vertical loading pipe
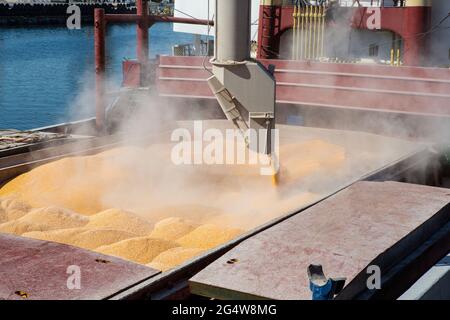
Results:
x,y
99,47
233,29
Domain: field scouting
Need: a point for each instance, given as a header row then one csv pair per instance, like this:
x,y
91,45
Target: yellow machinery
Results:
x,y
308,32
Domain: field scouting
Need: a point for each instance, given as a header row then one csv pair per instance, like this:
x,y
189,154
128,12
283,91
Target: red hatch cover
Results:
x,y
367,223
41,270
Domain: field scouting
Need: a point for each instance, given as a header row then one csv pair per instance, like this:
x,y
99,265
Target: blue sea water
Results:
x,y
43,70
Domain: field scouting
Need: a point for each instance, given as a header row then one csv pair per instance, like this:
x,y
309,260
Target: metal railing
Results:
x,y
347,3
308,32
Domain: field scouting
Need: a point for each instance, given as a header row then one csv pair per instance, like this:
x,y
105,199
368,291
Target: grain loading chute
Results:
x,y
244,88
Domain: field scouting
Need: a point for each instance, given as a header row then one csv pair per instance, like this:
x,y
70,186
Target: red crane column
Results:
x,y
142,37
416,22
99,48
267,48
274,19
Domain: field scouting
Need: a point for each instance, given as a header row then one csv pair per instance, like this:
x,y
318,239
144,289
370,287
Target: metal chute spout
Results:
x,y
228,103
244,88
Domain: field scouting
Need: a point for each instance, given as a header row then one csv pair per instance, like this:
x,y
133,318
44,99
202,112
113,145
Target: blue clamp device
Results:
x,y
323,288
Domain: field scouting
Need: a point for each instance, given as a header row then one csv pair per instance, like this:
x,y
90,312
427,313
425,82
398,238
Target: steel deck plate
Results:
x,y
368,223
39,269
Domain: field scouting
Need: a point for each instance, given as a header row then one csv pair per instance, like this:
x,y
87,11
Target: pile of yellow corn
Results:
x,y
135,204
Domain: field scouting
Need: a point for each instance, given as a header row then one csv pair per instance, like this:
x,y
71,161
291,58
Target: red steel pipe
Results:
x,y
100,58
126,18
142,33
181,20
118,18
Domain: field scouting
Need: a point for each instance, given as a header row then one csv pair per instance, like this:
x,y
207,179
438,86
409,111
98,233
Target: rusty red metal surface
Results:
x,y
131,71
368,223
37,270
411,90
275,19
408,22
368,69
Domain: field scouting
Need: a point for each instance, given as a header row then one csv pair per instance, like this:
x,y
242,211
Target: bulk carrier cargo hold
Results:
x,y
362,179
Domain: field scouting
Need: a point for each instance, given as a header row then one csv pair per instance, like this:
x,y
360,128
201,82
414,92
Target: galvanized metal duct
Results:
x,y
232,25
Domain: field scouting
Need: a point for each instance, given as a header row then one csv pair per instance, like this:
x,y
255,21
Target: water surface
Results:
x,y
45,70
